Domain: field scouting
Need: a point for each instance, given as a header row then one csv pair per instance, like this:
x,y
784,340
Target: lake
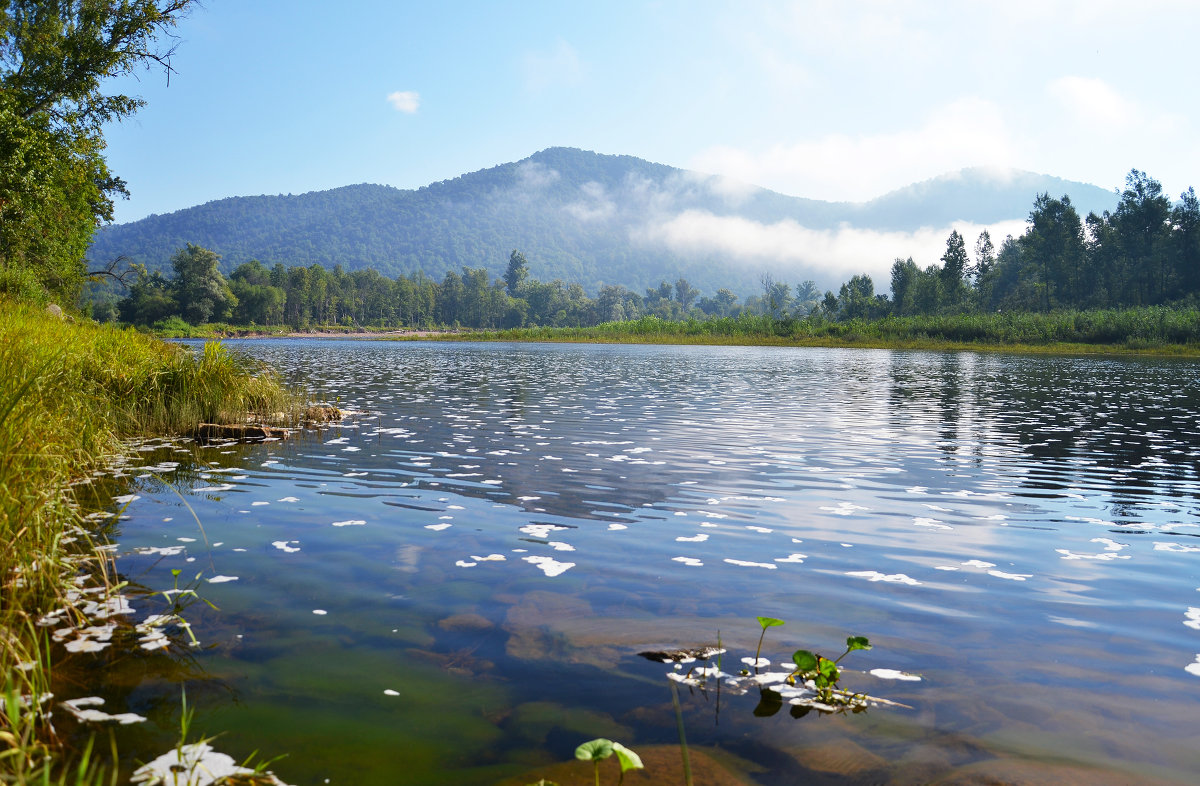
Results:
x,y
453,584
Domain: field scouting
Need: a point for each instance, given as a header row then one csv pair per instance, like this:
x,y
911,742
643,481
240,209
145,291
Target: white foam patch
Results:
x,y
844,509
746,564
258,503
438,527
285,545
796,558
390,692
320,612
763,530
222,579
616,527
931,523
892,674
490,558
288,499
874,575
689,561
699,538
1010,576
349,523
549,565
1176,547
978,563
1192,618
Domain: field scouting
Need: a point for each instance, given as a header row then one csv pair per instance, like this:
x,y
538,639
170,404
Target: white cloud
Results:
x,y
1092,101
406,101
967,132
836,254
559,66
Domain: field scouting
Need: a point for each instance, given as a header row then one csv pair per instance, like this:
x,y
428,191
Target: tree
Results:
x,y
514,276
200,289
856,300
954,268
685,293
55,186
904,280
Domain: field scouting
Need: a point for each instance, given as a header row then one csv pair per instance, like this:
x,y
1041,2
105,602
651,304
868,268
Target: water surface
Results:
x,y
455,583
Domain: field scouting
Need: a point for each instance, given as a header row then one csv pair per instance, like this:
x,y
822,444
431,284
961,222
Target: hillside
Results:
x,y
579,216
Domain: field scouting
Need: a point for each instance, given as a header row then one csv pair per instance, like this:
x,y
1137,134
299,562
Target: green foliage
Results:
x,y
824,674
599,749
765,622
55,186
68,394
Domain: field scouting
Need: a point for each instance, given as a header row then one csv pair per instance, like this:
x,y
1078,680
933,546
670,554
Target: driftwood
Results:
x,y
242,432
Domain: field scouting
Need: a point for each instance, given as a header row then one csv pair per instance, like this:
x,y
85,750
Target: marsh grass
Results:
x,y
69,394
1157,330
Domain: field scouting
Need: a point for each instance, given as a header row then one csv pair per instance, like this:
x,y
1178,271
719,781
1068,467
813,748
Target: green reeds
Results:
x,y
69,393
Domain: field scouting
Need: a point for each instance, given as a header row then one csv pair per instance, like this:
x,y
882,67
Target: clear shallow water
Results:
x,y
505,527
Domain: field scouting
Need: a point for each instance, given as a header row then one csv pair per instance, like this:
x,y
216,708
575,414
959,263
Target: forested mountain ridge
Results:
x,y
577,216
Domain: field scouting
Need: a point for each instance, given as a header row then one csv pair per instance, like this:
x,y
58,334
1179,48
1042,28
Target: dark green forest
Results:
x,y
1145,252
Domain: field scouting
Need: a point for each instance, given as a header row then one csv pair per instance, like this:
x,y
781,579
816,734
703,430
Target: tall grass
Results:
x,y
69,393
1135,329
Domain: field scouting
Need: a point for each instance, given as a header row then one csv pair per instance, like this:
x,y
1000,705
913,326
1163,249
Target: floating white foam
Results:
x,y
745,564
549,565
320,612
797,558
978,563
1010,576
1176,547
438,527
614,527
196,765
892,674
288,499
689,561
285,545
349,523
874,575
1193,668
700,538
222,579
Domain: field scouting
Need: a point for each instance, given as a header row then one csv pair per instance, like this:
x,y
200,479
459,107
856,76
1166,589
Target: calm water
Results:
x,y
454,585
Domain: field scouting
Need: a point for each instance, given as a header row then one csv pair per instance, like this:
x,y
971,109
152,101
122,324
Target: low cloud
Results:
x,y
969,132
1092,101
406,101
828,254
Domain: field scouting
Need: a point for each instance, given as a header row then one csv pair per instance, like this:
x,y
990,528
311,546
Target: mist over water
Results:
x,y
455,582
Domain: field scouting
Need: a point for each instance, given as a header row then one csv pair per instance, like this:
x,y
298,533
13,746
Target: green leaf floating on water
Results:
x,y
629,760
857,643
594,750
804,660
771,622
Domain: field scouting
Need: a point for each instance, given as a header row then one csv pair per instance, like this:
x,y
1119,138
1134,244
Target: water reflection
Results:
x,y
502,528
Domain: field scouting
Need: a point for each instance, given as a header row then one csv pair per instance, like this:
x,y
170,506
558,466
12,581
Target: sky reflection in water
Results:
x,y
442,582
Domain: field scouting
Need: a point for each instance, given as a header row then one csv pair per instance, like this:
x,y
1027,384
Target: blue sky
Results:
x,y
829,100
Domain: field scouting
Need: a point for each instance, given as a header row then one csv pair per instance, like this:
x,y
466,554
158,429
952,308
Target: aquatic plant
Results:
x,y
765,622
600,748
824,673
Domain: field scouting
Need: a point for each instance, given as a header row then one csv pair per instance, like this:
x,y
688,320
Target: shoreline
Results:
x,y
920,345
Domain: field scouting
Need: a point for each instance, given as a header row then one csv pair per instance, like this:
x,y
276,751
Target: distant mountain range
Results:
x,y
593,219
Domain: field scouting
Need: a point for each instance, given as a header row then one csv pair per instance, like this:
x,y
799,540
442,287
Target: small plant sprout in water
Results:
x,y
823,673
765,622
599,749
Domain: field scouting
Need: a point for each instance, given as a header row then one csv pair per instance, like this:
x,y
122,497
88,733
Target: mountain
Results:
x,y
587,218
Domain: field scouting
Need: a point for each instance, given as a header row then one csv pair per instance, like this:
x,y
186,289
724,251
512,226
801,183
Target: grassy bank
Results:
x,y
1145,330
69,393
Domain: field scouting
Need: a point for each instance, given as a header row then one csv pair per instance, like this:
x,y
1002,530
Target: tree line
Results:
x,y
1144,252
304,297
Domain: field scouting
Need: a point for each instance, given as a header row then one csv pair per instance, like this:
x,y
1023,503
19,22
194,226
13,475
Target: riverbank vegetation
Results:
x,y
72,391
71,394
1157,330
